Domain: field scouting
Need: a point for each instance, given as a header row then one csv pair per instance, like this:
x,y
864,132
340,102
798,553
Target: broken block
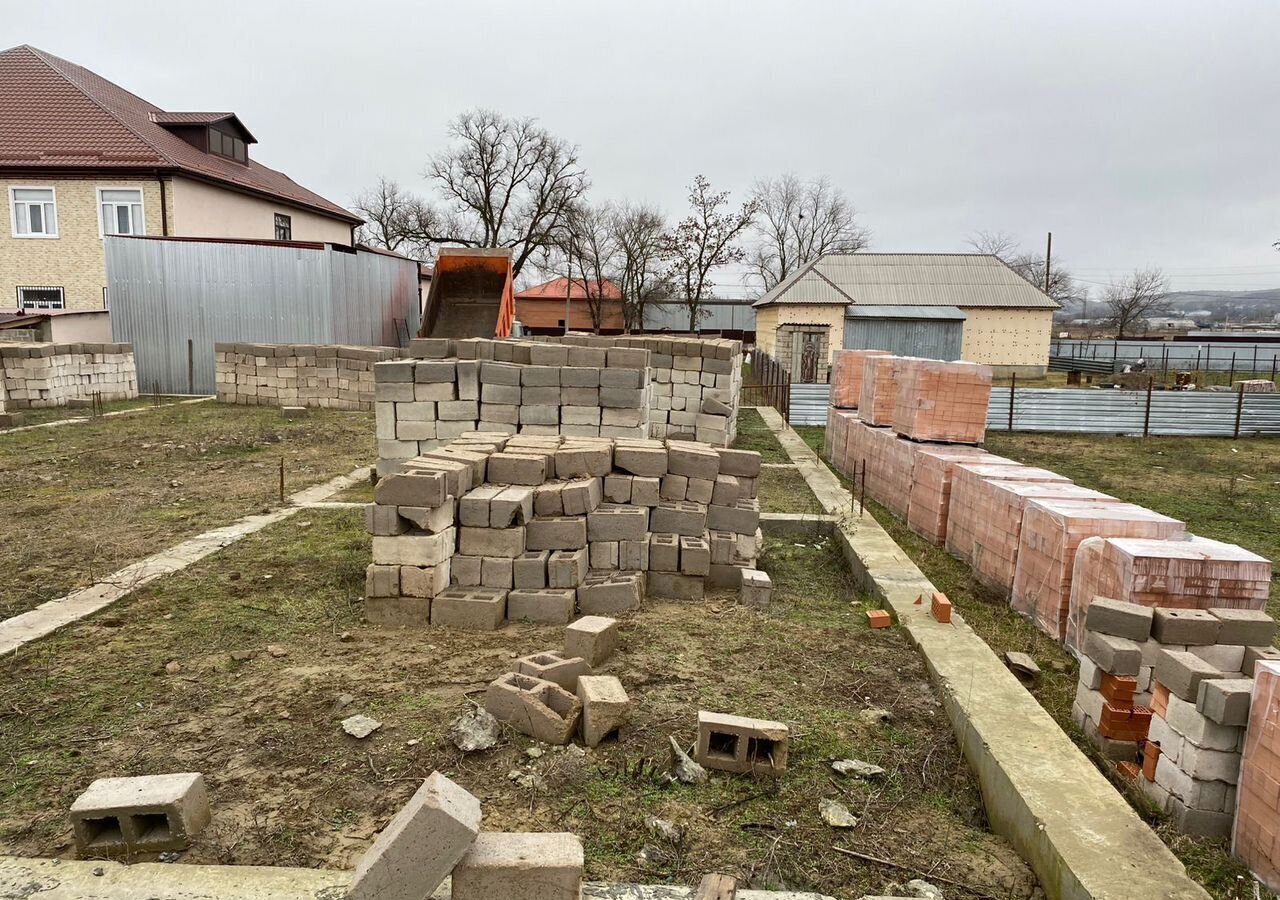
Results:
x,y
611,593
424,581
605,707
757,587
512,505
606,554
140,814
738,744
554,666
471,609
516,866
691,460
592,638
381,581
547,606
540,709
420,846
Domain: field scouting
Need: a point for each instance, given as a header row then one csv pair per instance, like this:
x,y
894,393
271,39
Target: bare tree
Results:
x,y
704,241
1029,265
396,219
798,222
507,182
1135,297
590,250
637,232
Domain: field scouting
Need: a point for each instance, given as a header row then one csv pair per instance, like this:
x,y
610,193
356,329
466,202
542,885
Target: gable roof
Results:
x,y
56,115
965,280
554,290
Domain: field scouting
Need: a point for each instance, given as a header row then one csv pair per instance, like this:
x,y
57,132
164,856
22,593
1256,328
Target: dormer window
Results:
x,y
222,144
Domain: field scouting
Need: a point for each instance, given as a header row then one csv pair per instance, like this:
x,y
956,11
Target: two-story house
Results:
x,y
81,158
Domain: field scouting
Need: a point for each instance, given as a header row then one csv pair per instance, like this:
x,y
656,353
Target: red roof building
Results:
x,y
541,308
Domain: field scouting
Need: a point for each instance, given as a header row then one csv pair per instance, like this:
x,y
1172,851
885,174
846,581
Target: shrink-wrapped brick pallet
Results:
x,y
966,500
931,486
998,525
840,424
1256,834
879,389
942,401
1051,532
888,460
1196,573
847,367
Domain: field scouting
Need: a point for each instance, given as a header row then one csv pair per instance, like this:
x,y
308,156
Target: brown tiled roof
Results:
x,y
57,115
554,290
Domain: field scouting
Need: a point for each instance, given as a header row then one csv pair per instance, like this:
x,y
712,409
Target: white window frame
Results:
x,y
13,211
142,202
62,297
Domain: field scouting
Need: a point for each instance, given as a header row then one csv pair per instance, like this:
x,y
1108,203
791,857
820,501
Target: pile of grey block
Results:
x,y
50,374
331,376
494,527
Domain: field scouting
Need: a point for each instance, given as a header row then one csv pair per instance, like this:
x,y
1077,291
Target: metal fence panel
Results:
x,y
809,404
1200,355
174,299
718,316
928,338
1196,413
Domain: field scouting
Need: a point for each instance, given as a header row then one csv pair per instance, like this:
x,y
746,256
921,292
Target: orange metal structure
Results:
x,y
472,294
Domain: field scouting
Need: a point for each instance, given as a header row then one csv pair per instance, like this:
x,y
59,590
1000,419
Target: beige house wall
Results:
x,y
206,210
74,259
770,318
1010,338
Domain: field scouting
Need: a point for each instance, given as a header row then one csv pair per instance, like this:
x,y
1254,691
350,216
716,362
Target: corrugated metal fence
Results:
x,y
1202,413
718,315
1163,356
174,299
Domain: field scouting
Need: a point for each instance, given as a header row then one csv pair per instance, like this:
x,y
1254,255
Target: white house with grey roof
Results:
x,y
943,305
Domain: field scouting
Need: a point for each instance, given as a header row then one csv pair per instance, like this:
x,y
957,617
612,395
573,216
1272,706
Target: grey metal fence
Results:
x,y
809,404
1161,356
173,299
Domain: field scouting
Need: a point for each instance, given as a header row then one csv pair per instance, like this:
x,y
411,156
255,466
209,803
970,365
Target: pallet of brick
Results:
x,y
879,394
1190,573
930,501
847,367
1051,532
36,375
942,401
888,461
998,527
1254,386
968,498
1256,831
330,376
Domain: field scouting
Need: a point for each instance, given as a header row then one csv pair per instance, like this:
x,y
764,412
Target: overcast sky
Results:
x,y
1140,133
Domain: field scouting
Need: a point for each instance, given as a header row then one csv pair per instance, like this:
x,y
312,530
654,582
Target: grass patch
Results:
x,y
786,491
754,434
43,415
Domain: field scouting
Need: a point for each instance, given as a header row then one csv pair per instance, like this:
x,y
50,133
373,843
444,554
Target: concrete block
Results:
x,y
499,373
1208,823
679,517
399,370
293,412
583,460
700,490
1116,655
512,506
529,570
416,488
576,411
757,588
1119,618
421,844
1252,655
724,545
438,392
542,396
494,413
674,487
726,492
581,497
648,459
605,707
664,552
540,376
695,556
430,348
611,593
457,410
1247,627
567,568
554,666
581,374
634,554
548,500
381,581
505,542
413,549
1223,657
439,372
592,638
1181,672
540,709
741,519
425,581
646,491
465,570
1192,627
470,609
432,520
384,520
546,606
514,866
147,813
1188,722
1225,700
473,506
743,745
539,414
517,468
742,463
621,398
627,358
496,572
468,387
670,586
617,488
557,533
617,523
605,554
1203,764
692,460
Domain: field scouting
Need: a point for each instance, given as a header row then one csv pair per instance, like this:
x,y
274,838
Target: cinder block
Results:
x,y
567,568
457,410
592,638
1248,627
473,506
420,846
1252,655
548,500
1223,657
540,709
1119,618
1225,700
1203,764
617,523
646,491
1185,626
395,612
581,497
547,606
611,593
582,459
700,490
741,519
742,463
146,813
1181,672
1116,655
557,533
1208,823
648,459
664,552
517,468
605,707
505,542
695,556
670,586
692,460
425,581
529,570
465,570
496,572
738,744
605,554
674,487
417,488
381,581
438,372
432,520
634,554
757,588
512,506
617,488
515,866
679,517
554,666
470,609
413,549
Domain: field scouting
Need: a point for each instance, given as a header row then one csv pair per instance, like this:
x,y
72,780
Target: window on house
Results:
x,y
226,145
284,227
40,297
121,211
34,212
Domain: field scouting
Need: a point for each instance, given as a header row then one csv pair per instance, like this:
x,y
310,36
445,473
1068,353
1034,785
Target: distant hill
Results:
x,y
1233,306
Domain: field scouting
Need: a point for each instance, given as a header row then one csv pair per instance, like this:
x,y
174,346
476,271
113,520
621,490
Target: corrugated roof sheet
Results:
x,y
57,115
869,311
909,279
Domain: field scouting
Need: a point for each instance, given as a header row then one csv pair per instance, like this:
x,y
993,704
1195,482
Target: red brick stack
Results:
x,y
931,485
879,389
1256,835
1051,532
847,367
942,401
969,503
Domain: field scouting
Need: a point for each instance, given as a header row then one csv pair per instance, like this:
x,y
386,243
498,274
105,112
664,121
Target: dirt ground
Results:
x,y
288,787
82,500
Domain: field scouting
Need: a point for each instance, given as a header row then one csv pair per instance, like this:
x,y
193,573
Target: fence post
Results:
x,y
1239,410
1013,386
1232,376
1146,416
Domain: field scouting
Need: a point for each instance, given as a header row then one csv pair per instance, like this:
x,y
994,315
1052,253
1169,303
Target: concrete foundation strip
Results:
x,y
1081,837
54,614
76,420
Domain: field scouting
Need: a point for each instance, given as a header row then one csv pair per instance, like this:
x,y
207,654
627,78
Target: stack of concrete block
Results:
x,y
1195,573
998,526
942,401
931,479
879,398
1113,696
970,499
1051,533
37,375
696,383
847,367
330,376
1254,386
1256,832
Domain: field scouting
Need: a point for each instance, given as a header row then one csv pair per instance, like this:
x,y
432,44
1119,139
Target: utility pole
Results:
x,y
1048,261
